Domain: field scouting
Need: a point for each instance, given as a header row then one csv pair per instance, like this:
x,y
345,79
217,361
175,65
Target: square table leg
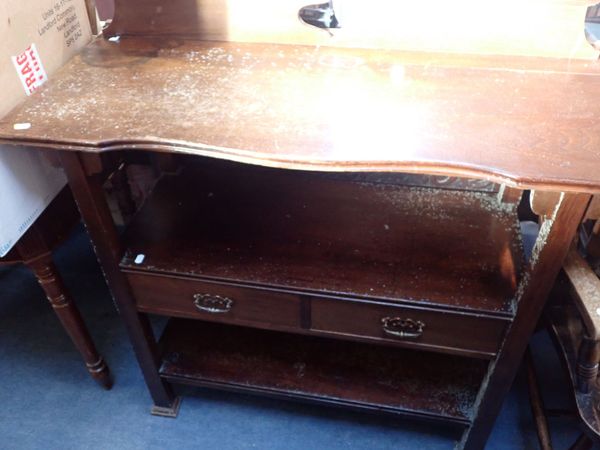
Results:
x,y
95,213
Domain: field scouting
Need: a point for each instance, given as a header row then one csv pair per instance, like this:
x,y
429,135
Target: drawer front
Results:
x,y
218,302
414,327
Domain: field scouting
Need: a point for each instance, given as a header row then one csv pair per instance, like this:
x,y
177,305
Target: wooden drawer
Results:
x,y
184,297
415,327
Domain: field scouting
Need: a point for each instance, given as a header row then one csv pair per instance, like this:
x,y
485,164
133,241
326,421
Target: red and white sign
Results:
x,y
30,69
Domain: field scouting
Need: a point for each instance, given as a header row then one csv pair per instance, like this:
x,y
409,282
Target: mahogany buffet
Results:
x,y
335,213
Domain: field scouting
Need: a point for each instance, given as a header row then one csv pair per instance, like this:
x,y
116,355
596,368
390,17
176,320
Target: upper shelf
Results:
x,y
330,235
529,121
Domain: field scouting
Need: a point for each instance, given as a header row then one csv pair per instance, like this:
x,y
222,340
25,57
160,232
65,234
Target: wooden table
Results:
x,y
332,224
34,250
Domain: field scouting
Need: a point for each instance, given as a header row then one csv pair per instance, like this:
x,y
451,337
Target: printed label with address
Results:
x,y
30,69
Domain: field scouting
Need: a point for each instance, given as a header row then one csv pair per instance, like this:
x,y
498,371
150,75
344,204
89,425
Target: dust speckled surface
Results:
x,y
326,109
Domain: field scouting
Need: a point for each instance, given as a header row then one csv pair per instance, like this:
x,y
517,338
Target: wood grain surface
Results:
x,y
305,232
530,122
349,374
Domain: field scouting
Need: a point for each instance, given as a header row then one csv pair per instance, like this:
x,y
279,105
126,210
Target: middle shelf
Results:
x,y
319,253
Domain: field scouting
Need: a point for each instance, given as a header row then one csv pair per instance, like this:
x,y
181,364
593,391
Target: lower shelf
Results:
x,y
349,374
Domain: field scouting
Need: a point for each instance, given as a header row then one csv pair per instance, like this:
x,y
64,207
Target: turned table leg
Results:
x,y
68,314
35,252
587,363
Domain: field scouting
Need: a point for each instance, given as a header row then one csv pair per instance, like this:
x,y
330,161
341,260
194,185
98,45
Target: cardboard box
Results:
x,y
36,38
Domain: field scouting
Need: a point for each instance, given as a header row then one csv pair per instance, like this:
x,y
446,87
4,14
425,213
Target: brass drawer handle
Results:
x,y
214,304
402,328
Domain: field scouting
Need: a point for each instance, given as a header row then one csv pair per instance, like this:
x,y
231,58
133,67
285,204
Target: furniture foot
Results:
x,y
69,316
168,411
100,372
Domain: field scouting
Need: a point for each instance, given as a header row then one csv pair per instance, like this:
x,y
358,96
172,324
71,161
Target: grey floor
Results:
x,y
47,400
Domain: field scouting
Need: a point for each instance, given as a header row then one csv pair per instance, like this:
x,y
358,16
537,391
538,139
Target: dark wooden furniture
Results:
x,y
349,269
572,320
34,249
586,299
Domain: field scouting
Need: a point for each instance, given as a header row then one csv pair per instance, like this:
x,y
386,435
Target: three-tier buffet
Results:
x,y
329,223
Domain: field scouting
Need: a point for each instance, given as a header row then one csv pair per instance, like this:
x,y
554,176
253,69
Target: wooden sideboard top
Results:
x,y
527,121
